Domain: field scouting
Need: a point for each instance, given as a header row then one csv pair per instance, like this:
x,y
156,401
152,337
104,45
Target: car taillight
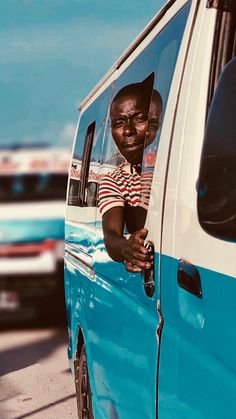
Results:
x,y
26,249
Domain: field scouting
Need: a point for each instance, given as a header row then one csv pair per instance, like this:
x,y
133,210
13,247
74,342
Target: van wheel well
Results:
x,y
82,384
79,344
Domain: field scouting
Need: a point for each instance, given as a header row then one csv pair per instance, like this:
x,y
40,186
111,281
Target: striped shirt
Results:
x,y
121,187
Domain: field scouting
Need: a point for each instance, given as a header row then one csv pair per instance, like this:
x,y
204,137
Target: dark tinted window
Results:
x,y
32,187
217,177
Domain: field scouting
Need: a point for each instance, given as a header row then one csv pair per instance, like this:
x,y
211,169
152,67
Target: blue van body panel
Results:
x,y
29,231
197,372
194,337
117,320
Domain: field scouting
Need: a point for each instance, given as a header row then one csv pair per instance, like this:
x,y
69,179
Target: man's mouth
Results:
x,y
132,145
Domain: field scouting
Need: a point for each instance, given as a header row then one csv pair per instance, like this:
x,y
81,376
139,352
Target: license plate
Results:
x,y
9,300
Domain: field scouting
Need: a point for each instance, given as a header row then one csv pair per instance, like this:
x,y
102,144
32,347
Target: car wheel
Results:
x,y
83,389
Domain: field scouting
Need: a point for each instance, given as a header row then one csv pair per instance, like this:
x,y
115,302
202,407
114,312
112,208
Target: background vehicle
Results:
x,y
171,354
32,197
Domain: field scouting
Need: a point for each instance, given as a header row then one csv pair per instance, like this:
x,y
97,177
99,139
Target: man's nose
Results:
x,y
129,128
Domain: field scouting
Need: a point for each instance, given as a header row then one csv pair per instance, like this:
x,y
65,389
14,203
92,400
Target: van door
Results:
x,y
197,373
81,215
122,338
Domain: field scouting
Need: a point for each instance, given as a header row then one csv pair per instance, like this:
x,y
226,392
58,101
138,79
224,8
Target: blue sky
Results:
x,y
53,52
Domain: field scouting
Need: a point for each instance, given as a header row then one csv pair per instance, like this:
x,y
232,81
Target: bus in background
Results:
x,y
32,201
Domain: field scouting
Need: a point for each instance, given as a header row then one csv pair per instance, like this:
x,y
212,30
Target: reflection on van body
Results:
x,y
151,329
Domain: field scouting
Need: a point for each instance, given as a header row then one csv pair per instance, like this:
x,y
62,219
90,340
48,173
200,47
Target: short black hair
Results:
x,y
143,89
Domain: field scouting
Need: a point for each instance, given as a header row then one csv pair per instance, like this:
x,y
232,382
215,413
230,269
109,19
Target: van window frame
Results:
x,y
85,163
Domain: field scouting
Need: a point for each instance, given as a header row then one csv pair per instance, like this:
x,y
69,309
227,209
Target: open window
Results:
x,y
84,170
145,83
82,191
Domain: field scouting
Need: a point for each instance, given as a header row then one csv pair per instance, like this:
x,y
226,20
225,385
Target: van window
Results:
x,y
217,177
161,56
79,171
153,68
85,181
84,171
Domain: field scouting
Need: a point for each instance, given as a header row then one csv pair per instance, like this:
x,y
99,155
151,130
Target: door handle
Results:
x,y
80,259
148,274
189,278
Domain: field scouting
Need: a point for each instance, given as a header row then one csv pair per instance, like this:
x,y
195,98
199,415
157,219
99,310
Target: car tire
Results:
x,y
83,389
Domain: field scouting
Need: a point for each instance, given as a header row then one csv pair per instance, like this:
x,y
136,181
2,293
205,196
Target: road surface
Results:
x,y
35,380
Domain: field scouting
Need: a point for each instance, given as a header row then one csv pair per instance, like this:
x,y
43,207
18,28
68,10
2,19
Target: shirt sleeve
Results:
x,y
109,194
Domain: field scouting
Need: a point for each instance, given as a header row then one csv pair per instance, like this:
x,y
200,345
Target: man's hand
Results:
x,y
136,256
132,251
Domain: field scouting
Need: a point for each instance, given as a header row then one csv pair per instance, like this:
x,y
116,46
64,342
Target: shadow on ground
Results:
x,y
24,355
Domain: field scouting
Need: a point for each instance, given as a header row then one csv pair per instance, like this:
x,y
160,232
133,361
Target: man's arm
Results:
x,y
131,251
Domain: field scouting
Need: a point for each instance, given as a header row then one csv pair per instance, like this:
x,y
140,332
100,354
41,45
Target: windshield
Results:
x,y
32,187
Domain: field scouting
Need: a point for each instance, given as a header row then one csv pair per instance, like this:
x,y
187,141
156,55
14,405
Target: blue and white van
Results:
x,y
32,197
168,353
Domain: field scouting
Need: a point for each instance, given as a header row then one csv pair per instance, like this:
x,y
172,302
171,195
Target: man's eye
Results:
x,y
140,118
117,123
153,123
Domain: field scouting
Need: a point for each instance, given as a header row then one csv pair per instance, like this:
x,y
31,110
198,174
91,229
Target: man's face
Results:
x,y
133,127
129,121
154,116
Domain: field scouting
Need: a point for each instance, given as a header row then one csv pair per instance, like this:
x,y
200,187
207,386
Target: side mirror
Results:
x,y
217,177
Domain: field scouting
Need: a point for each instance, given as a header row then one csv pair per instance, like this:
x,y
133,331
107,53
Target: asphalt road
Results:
x,y
35,380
